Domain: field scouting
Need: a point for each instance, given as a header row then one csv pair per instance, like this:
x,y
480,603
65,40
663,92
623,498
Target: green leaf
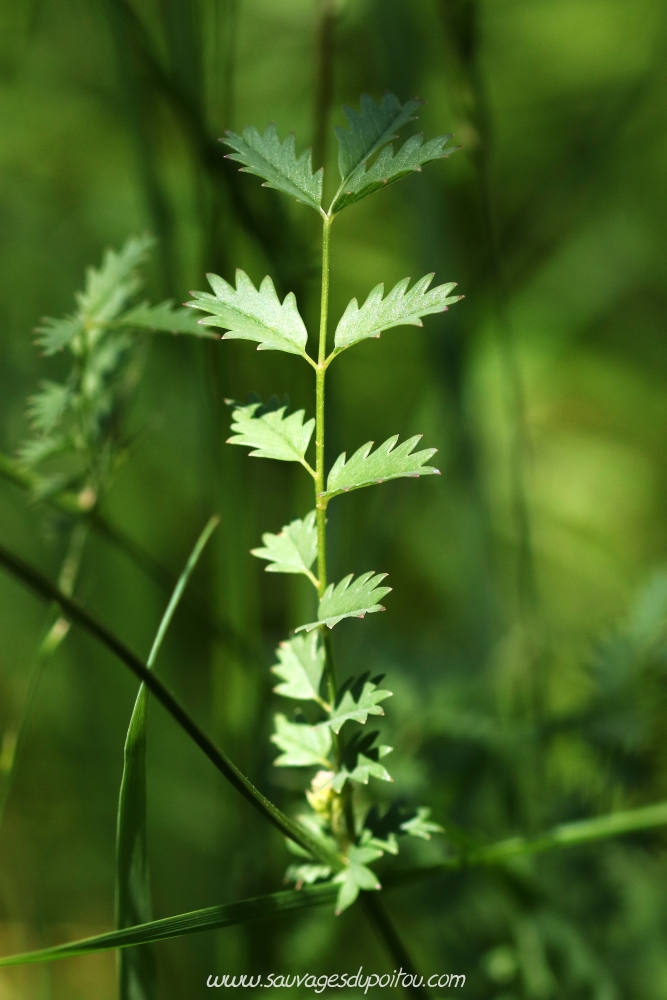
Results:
x,y
133,897
163,318
365,769
302,661
356,702
39,449
54,334
386,462
306,874
108,289
273,434
294,550
390,167
248,313
399,308
47,407
277,164
349,600
419,825
227,915
356,876
302,745
369,131
388,846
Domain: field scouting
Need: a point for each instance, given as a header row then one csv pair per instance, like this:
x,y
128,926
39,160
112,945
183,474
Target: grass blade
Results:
x,y
133,898
213,917
42,586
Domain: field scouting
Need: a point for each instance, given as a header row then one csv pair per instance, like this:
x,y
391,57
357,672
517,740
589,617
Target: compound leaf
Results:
x,y
399,308
294,550
386,462
277,163
163,318
349,600
301,666
420,826
356,875
358,701
368,131
272,435
302,745
390,167
248,313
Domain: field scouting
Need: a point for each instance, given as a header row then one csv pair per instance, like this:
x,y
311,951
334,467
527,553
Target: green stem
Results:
x,y
321,502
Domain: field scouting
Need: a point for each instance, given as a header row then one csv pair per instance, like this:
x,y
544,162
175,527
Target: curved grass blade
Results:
x,y
133,897
213,917
40,585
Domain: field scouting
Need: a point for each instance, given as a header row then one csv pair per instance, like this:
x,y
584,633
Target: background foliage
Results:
x,y
526,643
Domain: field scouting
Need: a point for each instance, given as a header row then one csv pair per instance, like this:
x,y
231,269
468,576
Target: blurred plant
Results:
x,y
77,435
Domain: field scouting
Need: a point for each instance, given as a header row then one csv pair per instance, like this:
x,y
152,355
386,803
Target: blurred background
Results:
x,y
526,636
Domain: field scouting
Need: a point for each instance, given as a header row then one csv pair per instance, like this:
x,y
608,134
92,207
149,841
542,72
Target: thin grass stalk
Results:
x,y
43,587
56,633
573,834
133,897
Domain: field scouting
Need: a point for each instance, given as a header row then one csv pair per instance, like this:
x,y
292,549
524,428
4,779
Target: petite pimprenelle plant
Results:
x,y
345,755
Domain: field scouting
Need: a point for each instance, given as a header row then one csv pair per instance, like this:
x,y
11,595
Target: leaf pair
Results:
x,y
248,313
369,132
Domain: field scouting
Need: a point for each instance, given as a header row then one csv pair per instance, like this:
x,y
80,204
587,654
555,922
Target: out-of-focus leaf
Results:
x,y
54,334
386,462
248,313
390,167
46,408
273,434
349,599
302,661
306,874
108,289
294,550
302,745
400,308
420,826
277,163
38,449
356,876
164,318
368,131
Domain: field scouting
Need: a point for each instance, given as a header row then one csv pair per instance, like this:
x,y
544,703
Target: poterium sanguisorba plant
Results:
x,y
345,755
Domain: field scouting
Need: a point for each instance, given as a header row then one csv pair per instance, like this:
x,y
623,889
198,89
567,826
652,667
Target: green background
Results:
x,y
525,637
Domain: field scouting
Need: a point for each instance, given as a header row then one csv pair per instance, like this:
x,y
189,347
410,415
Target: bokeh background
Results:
x,y
526,635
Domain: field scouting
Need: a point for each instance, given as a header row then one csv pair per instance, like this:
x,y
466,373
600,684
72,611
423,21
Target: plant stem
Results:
x,y
321,503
